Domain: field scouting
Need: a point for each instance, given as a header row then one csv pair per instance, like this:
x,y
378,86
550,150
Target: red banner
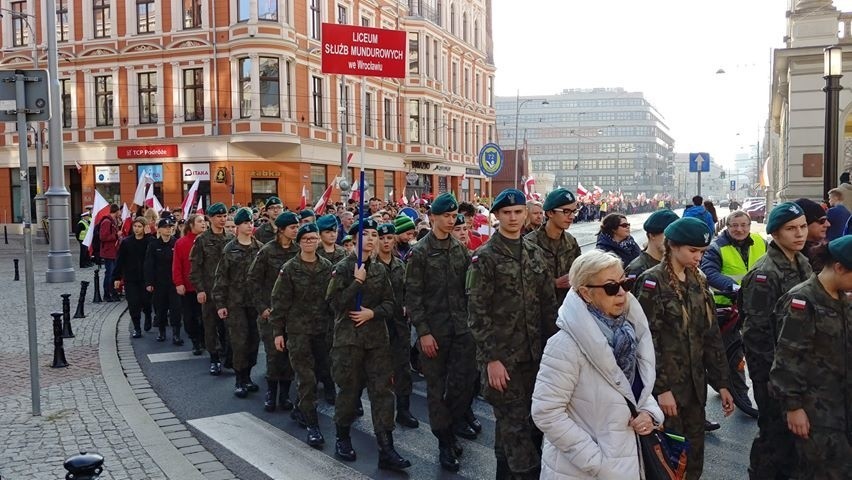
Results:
x,y
354,50
148,151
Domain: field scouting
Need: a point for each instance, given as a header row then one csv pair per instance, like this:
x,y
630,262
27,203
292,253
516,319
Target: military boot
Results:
x,y
403,414
359,407
215,366
176,340
271,399
389,459
147,321
446,452
315,438
196,347
161,337
462,429
240,390
137,330
343,445
472,421
299,418
248,382
284,395
503,471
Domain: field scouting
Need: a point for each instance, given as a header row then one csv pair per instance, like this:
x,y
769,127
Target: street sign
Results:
x,y
699,162
490,159
733,185
356,50
36,92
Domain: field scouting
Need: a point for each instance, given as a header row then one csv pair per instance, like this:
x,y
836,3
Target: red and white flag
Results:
x,y
100,209
199,209
402,199
303,201
151,201
598,190
323,200
186,206
356,191
529,187
581,190
126,220
141,189
79,167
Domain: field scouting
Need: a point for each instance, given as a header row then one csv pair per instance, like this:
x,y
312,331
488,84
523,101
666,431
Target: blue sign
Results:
x,y
154,170
490,159
733,185
699,162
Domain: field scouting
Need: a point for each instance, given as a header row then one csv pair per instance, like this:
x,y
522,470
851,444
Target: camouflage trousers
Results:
x,y
353,367
308,356
689,423
277,363
450,379
773,449
401,351
517,441
215,333
825,455
242,329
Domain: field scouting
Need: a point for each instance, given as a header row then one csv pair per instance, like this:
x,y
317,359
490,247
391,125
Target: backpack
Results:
x,y
96,240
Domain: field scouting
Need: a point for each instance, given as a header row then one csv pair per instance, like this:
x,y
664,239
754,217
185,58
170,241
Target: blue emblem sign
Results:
x,y
490,159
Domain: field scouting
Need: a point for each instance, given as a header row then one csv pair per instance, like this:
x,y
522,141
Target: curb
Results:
x,y
165,438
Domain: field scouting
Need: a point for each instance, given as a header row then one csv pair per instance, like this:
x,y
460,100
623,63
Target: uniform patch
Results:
x,y
798,304
650,284
760,278
474,259
631,276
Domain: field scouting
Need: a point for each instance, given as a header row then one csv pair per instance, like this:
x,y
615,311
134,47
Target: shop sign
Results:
x,y
366,51
221,173
265,173
196,171
148,151
472,171
109,174
154,170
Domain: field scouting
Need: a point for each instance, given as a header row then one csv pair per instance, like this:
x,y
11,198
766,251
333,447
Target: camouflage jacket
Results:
x,y
335,257
811,368
640,264
559,254
396,272
204,257
512,302
772,276
434,287
687,341
229,289
264,272
298,298
265,233
377,295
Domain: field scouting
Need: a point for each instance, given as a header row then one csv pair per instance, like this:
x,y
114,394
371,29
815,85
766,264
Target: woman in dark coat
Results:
x,y
129,267
614,236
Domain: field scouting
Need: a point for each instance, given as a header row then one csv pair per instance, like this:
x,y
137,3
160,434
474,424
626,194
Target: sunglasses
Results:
x,y
612,288
624,225
822,220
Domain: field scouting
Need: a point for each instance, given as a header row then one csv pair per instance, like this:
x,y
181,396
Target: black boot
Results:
x,y
462,429
248,382
240,390
389,459
284,395
162,336
403,414
299,417
472,421
196,347
271,400
215,366
137,331
503,472
329,391
147,321
315,438
710,426
343,445
176,340
446,453
359,407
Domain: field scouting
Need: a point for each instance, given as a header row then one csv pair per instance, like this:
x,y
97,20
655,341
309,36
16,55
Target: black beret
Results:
x,y
285,219
509,197
273,200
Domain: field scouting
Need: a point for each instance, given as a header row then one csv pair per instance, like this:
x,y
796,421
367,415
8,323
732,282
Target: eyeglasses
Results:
x,y
565,211
309,239
612,288
624,225
822,220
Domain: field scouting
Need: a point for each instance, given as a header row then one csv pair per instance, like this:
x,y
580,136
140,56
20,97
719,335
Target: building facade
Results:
x,y
231,93
603,136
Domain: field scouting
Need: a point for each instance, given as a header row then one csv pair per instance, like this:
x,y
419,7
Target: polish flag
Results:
x,y
598,190
141,189
199,209
303,202
152,202
186,206
356,191
100,209
126,220
581,190
323,200
402,199
529,187
79,167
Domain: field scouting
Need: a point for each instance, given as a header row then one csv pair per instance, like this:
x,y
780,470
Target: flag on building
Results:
x,y
186,206
100,209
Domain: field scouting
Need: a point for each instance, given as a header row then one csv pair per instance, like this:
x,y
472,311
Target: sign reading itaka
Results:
x,y
355,50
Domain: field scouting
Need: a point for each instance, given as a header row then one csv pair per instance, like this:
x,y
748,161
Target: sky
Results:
x,y
668,49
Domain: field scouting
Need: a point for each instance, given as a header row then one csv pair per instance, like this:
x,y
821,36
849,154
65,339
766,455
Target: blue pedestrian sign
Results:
x,y
733,185
490,159
699,162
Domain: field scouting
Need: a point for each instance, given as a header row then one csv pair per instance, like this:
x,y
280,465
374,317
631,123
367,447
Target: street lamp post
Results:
x,y
833,69
518,105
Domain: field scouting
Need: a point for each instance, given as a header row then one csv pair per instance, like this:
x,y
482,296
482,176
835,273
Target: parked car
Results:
x,y
749,202
757,211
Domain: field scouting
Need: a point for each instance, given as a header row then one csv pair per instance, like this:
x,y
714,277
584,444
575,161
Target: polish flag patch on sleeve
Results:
x,y
631,276
474,259
760,278
650,285
798,304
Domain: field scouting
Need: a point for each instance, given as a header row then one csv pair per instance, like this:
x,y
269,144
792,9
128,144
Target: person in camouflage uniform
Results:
x,y
511,296
812,376
361,352
435,302
653,252
261,278
687,341
235,303
266,232
560,247
203,259
300,317
329,250
772,451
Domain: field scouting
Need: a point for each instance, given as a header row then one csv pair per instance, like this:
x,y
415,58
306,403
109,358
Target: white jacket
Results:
x,y
578,400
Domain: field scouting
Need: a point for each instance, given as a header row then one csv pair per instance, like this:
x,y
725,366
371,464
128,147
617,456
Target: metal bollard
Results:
x,y
80,312
66,316
5,235
86,466
17,274
97,298
58,350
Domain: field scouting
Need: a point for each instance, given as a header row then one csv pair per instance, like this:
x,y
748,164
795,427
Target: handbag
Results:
x,y
663,454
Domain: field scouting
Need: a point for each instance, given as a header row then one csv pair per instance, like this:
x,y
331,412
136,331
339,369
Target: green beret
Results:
x,y
273,200
368,224
306,228
557,198
347,238
659,220
459,220
254,210
781,214
327,222
689,231
307,213
508,198
242,216
403,224
286,219
217,208
445,202
841,250
386,229
232,209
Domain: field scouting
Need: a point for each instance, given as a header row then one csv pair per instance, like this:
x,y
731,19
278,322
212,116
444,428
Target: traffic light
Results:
x,y
722,175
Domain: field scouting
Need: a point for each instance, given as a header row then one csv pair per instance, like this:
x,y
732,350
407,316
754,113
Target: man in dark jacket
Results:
x,y
158,280
698,211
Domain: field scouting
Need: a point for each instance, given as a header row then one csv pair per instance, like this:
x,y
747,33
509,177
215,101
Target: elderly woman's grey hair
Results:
x,y
736,214
590,264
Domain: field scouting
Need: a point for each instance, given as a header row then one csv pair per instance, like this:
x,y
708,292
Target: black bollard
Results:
x,y
17,274
97,298
5,235
58,350
66,316
80,312
86,466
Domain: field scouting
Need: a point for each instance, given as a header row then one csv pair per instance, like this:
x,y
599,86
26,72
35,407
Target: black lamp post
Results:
x,y
833,70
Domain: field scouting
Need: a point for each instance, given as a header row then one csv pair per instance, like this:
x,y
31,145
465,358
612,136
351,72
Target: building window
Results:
x,y
435,123
102,20
103,101
414,121
427,65
427,113
342,15
191,14
467,83
65,91
344,107
476,34
414,53
452,18
490,91
477,89
389,186
270,87
365,21
267,10
242,10
245,87
148,97
368,114
317,182
464,27
261,189
455,80
287,67
317,97
20,34
193,94
388,118
455,135
316,19
62,20
146,16
466,138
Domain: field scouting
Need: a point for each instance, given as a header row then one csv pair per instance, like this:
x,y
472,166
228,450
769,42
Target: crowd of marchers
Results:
x,y
577,354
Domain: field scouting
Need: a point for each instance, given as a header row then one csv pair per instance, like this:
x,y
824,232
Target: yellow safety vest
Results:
x,y
733,265
85,230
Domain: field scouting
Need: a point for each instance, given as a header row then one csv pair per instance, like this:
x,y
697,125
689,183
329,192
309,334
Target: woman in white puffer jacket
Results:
x,y
602,353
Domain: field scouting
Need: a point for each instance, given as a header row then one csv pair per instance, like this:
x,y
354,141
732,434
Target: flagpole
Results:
x,y
361,189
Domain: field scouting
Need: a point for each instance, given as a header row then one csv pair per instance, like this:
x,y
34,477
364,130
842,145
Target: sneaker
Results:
x,y
136,334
